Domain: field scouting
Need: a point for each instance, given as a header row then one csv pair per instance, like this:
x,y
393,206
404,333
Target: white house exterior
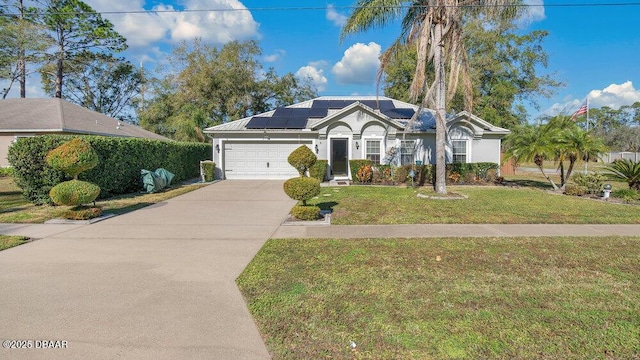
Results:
x,y
342,128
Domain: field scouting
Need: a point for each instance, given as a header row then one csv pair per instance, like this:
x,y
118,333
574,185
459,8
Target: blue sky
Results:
x,y
593,49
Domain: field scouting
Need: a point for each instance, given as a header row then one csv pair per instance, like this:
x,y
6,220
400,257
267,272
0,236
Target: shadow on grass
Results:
x,y
328,205
539,184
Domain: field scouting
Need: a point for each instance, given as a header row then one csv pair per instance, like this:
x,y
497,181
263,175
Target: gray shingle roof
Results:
x,y
57,115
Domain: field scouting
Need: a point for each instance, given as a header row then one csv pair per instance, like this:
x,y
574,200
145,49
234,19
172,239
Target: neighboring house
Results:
x,y
341,128
31,117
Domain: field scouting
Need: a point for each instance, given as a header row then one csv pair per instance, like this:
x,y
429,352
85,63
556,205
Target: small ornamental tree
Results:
x,y
302,159
303,188
74,157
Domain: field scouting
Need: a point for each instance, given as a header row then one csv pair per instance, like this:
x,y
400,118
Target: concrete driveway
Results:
x,y
157,283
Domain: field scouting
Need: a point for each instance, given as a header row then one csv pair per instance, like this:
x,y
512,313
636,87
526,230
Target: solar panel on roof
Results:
x,y
386,105
401,113
339,104
276,122
296,123
257,122
319,104
318,112
282,112
370,103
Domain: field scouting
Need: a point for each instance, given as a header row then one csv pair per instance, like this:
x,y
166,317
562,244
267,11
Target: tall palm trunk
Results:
x,y
22,61
440,185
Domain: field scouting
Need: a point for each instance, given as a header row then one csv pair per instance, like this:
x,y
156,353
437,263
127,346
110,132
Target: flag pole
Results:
x,y
586,163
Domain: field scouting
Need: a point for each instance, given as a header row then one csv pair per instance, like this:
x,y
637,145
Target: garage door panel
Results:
x,y
248,160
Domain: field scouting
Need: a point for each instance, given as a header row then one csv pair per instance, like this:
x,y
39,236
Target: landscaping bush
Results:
x,y
592,182
118,171
302,159
306,212
208,169
575,190
82,213
401,174
73,157
383,174
302,188
74,192
365,174
355,166
319,170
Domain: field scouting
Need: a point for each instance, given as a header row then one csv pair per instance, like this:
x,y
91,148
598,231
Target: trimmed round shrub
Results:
x,y
302,159
302,188
73,157
305,212
74,192
319,170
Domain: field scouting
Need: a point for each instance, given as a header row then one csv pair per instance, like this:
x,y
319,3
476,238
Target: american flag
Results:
x,y
582,110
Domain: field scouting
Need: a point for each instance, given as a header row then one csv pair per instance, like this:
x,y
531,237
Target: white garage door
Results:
x,y
259,160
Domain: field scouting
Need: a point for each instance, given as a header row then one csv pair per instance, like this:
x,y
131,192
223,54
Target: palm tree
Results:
x,y
532,144
625,170
435,27
574,143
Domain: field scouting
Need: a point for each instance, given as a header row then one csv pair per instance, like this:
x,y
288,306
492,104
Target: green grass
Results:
x,y
11,241
14,208
485,204
489,298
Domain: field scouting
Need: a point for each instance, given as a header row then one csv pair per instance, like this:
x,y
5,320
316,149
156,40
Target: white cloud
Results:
x,y
314,74
613,96
359,64
335,17
275,56
218,27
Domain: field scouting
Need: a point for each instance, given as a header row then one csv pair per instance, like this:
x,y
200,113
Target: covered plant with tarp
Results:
x,y
153,181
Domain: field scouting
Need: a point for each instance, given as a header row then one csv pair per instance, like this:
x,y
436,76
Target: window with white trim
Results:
x,y
459,150
407,150
372,151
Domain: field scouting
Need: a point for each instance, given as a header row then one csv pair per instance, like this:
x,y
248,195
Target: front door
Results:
x,y
339,157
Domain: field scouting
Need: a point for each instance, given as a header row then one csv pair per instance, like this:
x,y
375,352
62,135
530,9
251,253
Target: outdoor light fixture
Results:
x,y
357,146
218,148
316,148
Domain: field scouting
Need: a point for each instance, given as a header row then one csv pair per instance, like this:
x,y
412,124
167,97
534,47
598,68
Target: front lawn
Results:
x,y
453,298
14,208
484,204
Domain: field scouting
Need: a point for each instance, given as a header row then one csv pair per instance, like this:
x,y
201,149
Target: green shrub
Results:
x,y
208,170
575,190
365,174
592,182
118,172
628,195
383,174
302,159
74,192
302,188
401,174
305,212
73,157
355,165
319,170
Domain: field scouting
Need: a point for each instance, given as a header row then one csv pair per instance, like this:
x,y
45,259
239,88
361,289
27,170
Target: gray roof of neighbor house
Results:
x,y
57,115
308,115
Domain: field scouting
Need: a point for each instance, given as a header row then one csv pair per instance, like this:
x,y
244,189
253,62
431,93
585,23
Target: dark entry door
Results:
x,y
339,164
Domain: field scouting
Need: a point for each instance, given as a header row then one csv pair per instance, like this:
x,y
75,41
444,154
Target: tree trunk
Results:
x,y
440,185
22,63
59,72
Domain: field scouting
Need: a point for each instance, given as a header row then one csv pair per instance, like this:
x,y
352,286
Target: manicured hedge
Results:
x,y
355,165
118,171
319,170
